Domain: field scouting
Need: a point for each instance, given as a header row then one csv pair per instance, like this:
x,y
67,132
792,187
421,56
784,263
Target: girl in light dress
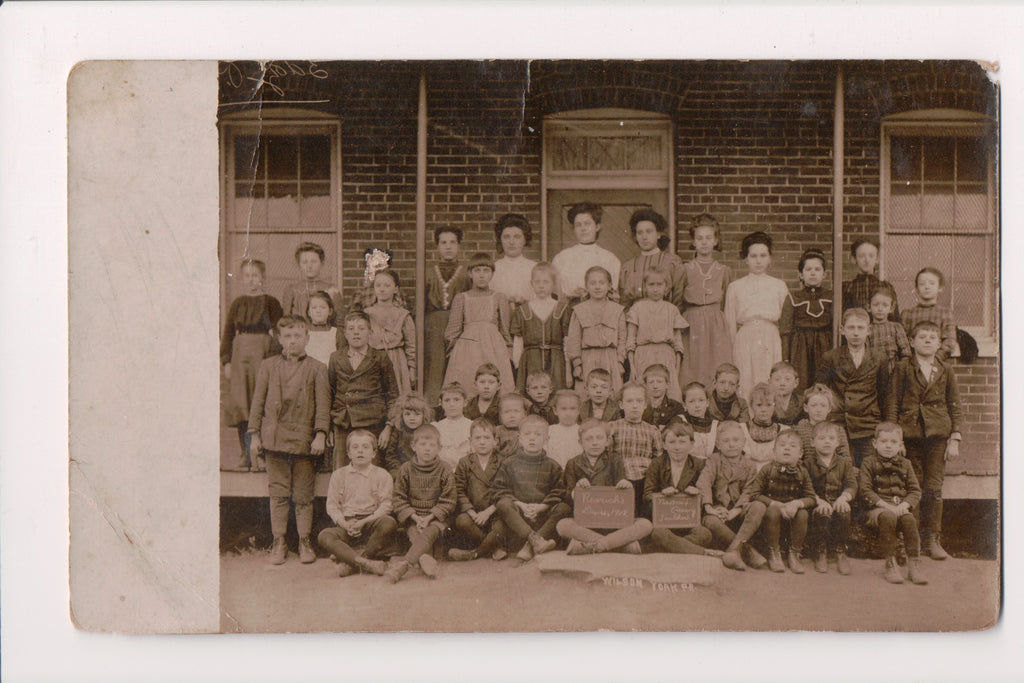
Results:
x,y
654,332
513,271
704,282
392,328
753,305
538,330
597,331
477,331
444,280
650,231
324,338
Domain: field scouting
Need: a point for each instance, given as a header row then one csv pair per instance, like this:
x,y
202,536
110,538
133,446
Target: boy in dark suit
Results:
x,y
925,402
363,386
860,379
473,477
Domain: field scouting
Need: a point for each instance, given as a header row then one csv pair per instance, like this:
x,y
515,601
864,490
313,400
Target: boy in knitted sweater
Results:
x,y
528,488
424,499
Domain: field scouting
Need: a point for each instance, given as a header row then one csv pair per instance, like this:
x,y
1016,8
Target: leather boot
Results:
x,y
892,571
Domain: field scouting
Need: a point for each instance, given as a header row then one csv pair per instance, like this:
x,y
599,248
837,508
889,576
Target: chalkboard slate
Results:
x,y
603,507
675,512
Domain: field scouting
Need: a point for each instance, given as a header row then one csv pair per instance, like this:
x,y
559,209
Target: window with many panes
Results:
x,y
281,188
939,208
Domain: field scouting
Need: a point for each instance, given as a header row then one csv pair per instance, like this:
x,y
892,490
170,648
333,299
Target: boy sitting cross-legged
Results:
x,y
728,513
597,466
675,473
528,488
473,477
424,498
359,502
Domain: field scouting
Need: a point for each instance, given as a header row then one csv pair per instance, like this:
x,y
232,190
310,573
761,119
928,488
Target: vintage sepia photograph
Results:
x,y
579,345
505,341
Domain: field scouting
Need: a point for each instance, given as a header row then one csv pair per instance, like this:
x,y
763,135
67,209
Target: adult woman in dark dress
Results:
x,y
446,278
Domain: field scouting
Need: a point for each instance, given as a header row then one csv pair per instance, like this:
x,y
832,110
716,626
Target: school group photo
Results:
x,y
490,329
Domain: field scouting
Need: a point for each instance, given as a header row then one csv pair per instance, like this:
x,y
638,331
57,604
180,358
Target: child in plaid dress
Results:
x,y
597,331
634,440
887,338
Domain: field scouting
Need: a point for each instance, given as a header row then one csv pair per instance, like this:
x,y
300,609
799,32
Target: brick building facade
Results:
x,y
750,142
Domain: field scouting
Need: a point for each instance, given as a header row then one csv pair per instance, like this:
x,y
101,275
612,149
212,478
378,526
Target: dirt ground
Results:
x,y
484,595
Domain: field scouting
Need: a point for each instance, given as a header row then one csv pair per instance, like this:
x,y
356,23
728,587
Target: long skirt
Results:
x,y
434,325
757,348
535,359
806,348
707,345
248,349
480,343
606,358
401,366
647,355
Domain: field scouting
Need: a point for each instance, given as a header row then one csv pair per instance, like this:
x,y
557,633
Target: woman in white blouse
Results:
x,y
512,272
573,262
753,306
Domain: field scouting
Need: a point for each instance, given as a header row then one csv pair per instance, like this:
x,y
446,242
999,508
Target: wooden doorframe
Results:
x,y
609,122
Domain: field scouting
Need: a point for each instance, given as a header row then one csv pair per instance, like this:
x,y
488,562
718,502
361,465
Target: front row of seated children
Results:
x,y
511,494
521,502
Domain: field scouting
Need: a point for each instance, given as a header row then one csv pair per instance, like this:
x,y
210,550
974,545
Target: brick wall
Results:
x,y
980,396
752,145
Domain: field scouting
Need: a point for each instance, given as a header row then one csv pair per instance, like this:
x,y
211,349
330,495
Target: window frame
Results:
x,y
953,124
280,121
